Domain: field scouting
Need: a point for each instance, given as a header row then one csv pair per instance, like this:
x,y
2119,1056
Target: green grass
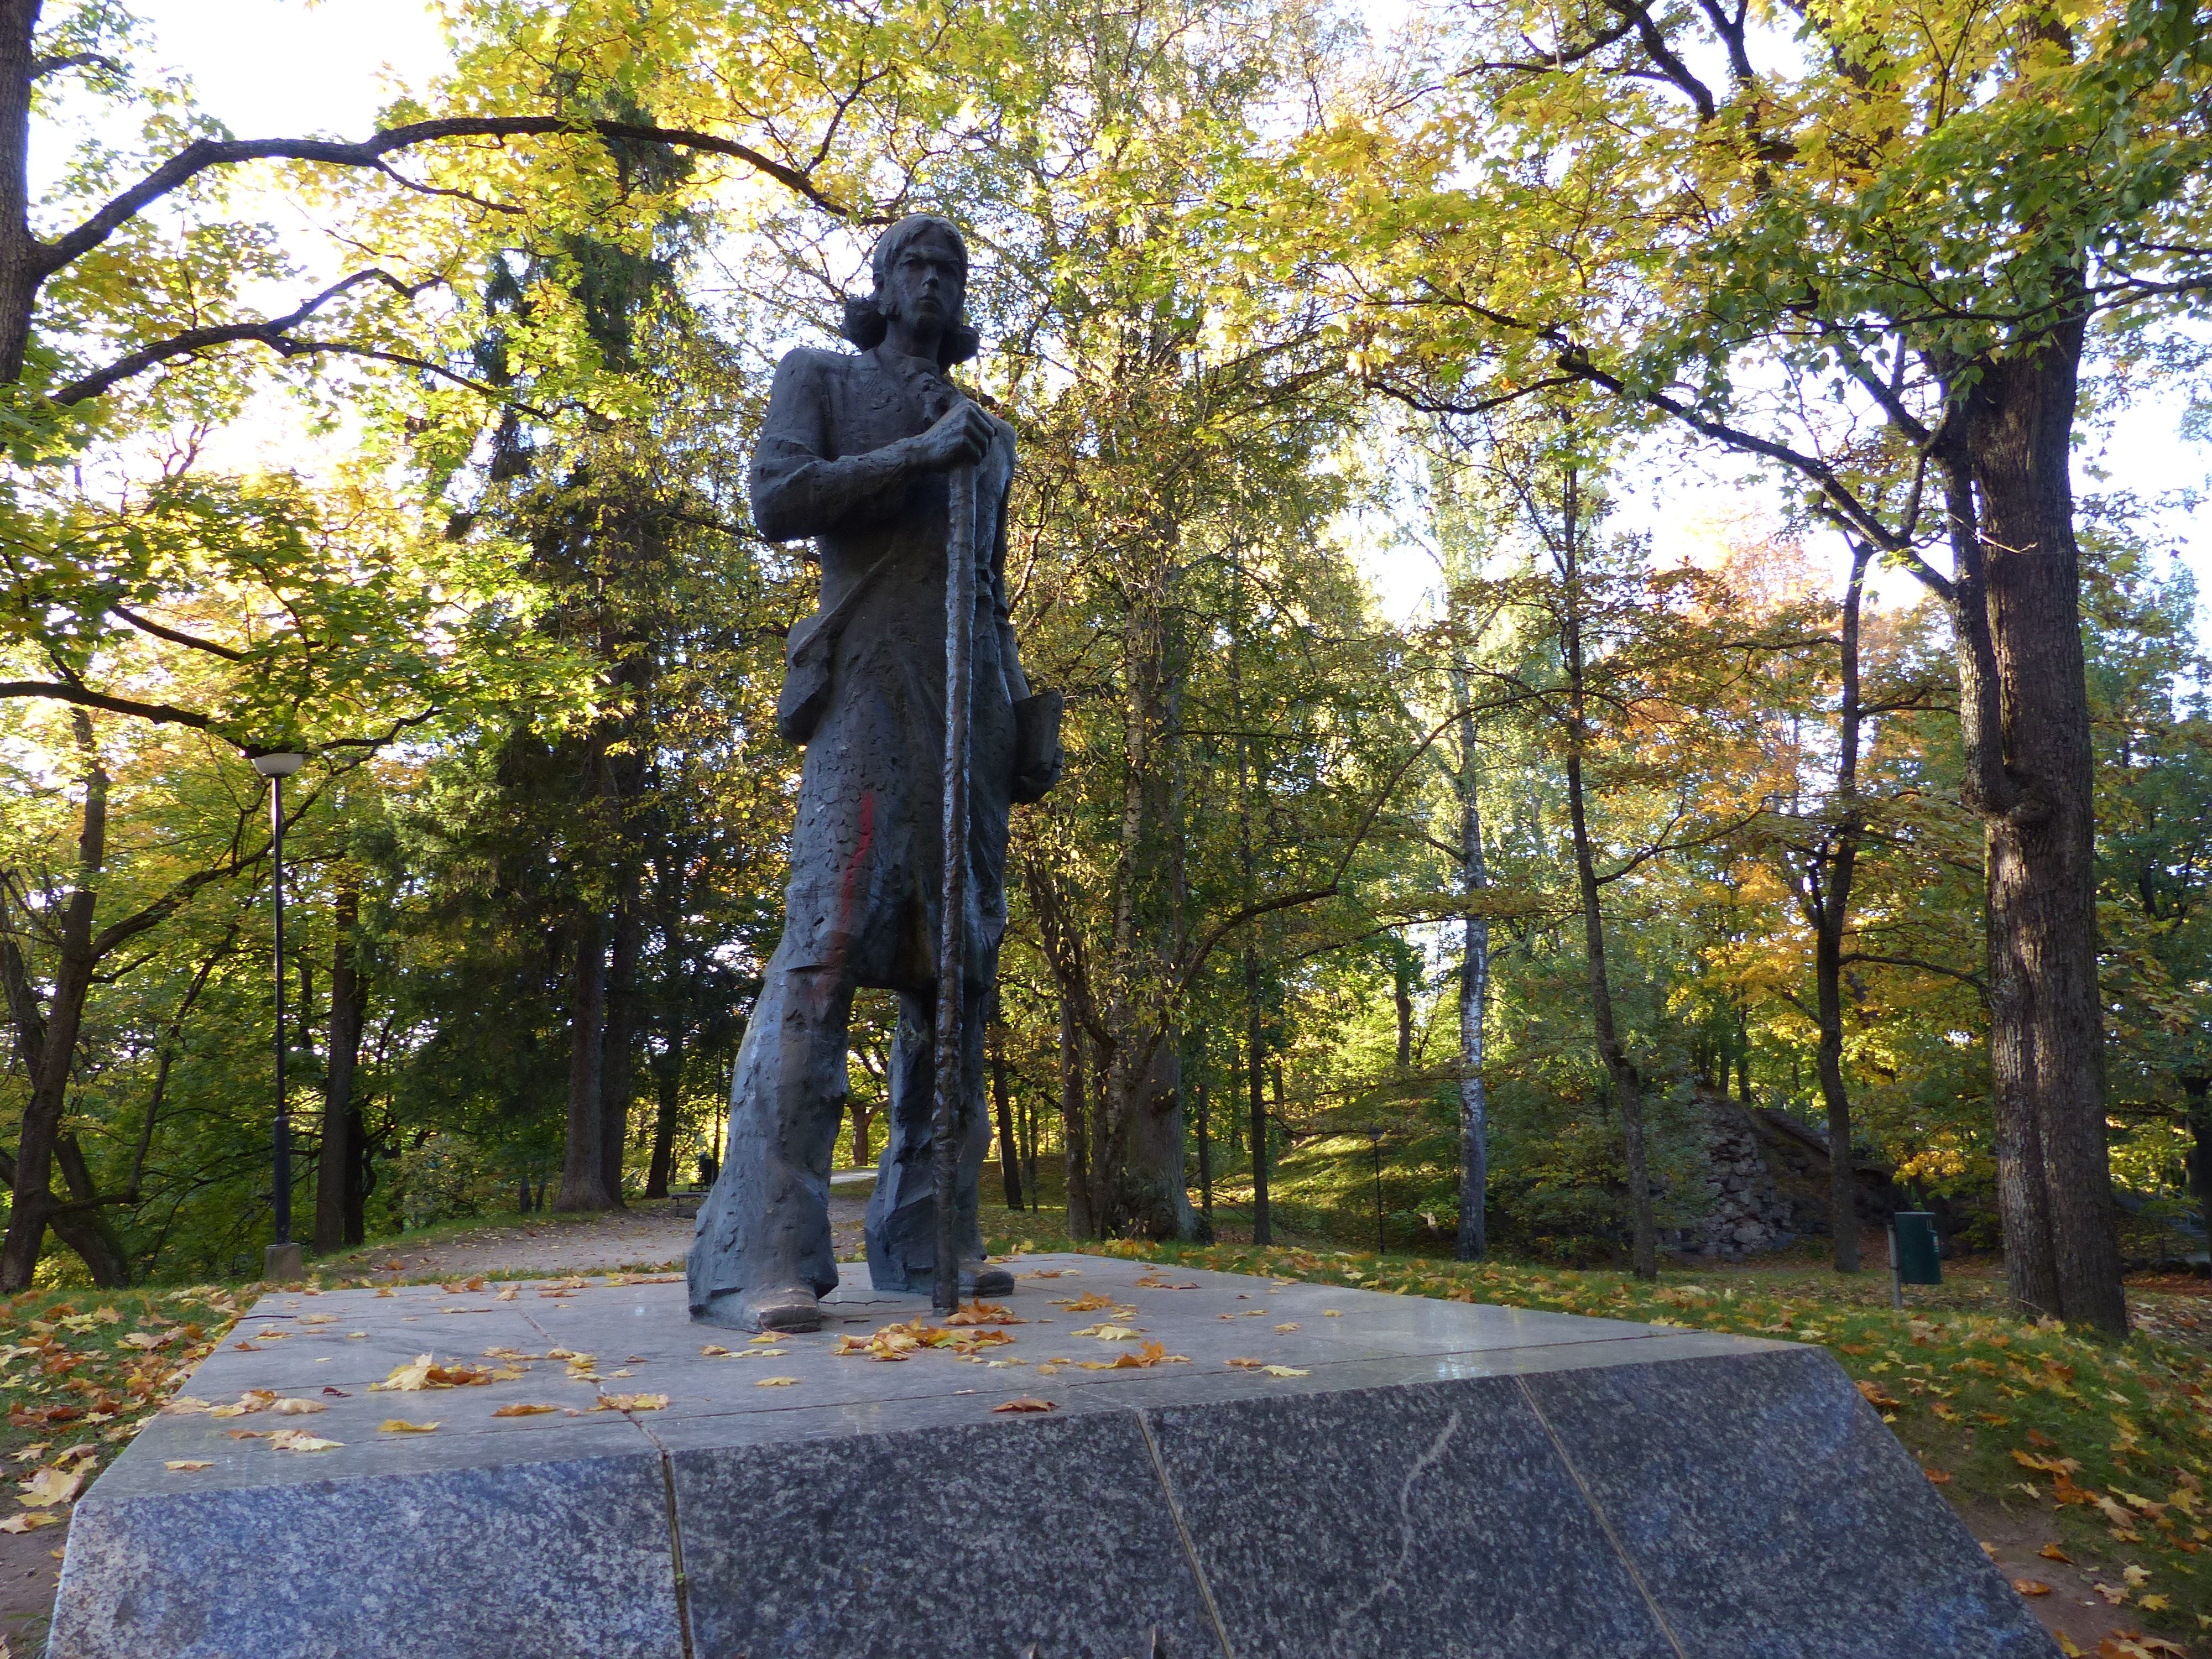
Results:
x,y
75,1385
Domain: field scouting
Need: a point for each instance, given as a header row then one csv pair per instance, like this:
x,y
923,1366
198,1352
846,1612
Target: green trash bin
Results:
x,y
1915,1255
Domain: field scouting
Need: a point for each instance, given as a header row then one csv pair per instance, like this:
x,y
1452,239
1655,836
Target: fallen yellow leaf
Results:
x,y
1285,1370
773,1381
2030,1587
297,1407
189,1465
425,1373
29,1522
983,1313
1025,1403
50,1485
524,1410
1152,1353
714,1351
1292,1326
2052,1552
401,1425
634,1402
298,1440
1111,1332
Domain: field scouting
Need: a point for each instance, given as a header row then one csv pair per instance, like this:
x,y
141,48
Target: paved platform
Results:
x,y
1412,1477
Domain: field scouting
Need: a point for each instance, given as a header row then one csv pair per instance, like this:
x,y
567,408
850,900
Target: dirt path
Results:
x,y
648,1236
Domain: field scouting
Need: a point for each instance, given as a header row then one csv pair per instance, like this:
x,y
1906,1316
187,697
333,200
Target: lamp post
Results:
x,y
283,1261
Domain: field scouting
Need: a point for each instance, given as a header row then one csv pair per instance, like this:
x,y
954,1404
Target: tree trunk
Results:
x,y
1075,1130
1009,1162
1402,992
1157,1203
2196,1087
363,1159
583,1181
1102,1167
1473,1239
668,1088
862,1117
1263,1232
1029,1149
33,1199
334,1167
1626,1087
1828,901
88,1231
2024,711
1204,1169
84,1231
618,1050
19,272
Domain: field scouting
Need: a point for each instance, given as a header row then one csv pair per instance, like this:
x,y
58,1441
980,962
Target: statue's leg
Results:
x,y
762,1253
903,1210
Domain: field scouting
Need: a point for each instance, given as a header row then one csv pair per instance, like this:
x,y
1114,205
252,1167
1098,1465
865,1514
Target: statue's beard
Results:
x,y
946,320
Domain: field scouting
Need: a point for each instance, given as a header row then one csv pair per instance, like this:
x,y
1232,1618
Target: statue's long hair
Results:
x,y
865,322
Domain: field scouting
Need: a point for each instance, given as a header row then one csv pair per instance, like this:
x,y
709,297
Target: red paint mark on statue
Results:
x,y
847,890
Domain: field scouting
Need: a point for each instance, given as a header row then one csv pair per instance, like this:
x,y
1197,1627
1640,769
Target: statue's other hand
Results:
x,y
959,438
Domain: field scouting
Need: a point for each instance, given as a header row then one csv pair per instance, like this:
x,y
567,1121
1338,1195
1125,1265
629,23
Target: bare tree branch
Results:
x,y
42,67
270,331
1974,980
84,697
176,637
205,154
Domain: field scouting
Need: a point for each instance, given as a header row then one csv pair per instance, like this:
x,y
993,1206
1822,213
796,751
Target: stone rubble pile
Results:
x,y
1748,1215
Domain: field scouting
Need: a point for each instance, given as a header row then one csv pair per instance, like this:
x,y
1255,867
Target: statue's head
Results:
x,y
918,262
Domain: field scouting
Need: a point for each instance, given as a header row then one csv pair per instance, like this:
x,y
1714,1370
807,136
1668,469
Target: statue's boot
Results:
x,y
775,1310
980,1279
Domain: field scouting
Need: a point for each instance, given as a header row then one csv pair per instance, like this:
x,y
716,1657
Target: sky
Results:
x,y
270,68
278,68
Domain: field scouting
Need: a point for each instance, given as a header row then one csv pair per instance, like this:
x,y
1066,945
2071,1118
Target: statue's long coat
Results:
x,y
865,860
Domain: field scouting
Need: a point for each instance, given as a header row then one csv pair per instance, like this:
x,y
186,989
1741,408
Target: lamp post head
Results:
x,y
278,766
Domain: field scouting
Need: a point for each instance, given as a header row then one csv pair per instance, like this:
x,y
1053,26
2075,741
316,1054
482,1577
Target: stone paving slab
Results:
x,y
1418,1477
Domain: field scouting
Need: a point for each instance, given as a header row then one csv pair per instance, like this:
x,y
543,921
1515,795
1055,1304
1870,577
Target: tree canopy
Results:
x,y
1875,816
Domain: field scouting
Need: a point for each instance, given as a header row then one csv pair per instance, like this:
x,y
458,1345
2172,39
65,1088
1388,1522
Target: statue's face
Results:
x,y
927,284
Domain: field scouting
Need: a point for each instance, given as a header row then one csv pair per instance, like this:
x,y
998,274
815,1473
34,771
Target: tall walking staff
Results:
x,y
952,936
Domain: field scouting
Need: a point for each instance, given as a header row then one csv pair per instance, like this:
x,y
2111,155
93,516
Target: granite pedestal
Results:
x,y
1421,1479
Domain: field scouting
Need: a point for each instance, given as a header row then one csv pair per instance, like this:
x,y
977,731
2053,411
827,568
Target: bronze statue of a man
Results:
x,y
857,452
